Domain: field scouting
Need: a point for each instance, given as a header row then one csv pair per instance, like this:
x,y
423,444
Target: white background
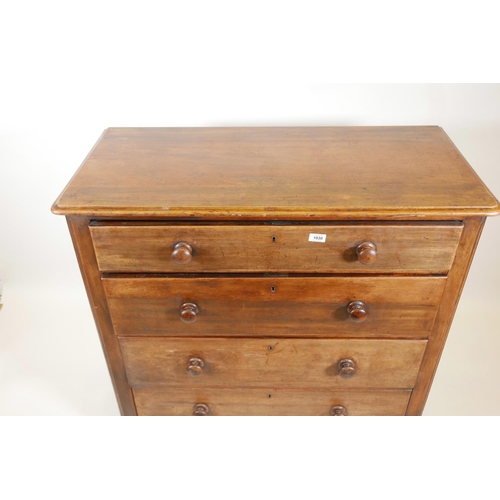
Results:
x,y
68,70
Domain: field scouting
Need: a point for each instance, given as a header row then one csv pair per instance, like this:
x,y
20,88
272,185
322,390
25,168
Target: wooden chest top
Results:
x,y
212,297
309,173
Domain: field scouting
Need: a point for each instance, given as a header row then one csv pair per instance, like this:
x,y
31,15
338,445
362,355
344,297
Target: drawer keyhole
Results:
x,y
273,289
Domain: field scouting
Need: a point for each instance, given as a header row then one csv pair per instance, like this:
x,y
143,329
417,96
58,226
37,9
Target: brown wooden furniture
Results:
x,y
274,271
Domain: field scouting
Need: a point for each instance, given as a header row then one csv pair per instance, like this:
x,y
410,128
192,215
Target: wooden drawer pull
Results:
x,y
189,311
195,366
201,409
357,311
366,252
338,411
182,253
347,368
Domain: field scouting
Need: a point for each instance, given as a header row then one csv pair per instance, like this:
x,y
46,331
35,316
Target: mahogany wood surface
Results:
x,y
276,172
274,270
161,400
251,362
79,230
451,296
367,252
231,248
338,411
294,306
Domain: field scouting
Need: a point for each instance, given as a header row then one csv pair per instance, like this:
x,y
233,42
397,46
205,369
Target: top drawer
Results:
x,y
366,248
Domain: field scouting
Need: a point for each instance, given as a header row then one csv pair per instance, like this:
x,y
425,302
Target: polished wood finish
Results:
x,y
274,271
451,295
195,367
290,307
357,311
367,252
182,253
200,409
250,362
162,400
338,411
282,173
79,230
189,312
412,248
346,368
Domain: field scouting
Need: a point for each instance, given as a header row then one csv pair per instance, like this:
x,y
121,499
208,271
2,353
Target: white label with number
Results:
x,y
318,238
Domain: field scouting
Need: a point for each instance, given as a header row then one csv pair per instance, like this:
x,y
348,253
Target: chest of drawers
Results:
x,y
274,271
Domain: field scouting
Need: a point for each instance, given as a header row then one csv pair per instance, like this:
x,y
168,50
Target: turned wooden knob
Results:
x,y
189,311
182,253
366,252
195,366
201,409
347,368
338,411
357,311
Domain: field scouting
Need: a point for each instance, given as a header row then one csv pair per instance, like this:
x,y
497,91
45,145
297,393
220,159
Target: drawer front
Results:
x,y
168,401
321,363
218,248
315,306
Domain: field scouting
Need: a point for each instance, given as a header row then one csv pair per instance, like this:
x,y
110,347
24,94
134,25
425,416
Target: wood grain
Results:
x,y
276,172
214,325
79,230
231,248
171,401
451,296
299,363
298,307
